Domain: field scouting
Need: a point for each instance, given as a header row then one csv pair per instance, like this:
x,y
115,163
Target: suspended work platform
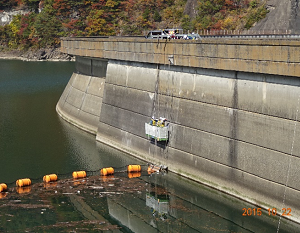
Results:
x,y
158,130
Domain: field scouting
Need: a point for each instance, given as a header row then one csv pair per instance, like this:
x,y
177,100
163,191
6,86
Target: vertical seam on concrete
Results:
x,y
126,80
69,90
233,124
85,93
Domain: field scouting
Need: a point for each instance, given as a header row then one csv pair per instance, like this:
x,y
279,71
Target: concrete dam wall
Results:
x,y
235,131
81,101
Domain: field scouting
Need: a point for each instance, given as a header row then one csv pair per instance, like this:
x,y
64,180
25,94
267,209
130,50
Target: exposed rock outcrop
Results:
x,y
7,16
283,15
44,54
191,8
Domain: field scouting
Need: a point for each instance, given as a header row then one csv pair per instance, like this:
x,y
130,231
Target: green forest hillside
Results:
x,y
49,20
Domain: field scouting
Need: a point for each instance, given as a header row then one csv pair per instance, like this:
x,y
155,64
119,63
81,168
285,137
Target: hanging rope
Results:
x,y
170,94
155,98
153,111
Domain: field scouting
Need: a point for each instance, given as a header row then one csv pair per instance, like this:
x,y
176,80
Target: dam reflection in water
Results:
x,y
34,141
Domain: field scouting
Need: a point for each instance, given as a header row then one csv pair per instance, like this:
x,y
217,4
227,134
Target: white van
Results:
x,y
163,33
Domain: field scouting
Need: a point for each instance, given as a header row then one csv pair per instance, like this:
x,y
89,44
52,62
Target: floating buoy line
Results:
x,y
133,171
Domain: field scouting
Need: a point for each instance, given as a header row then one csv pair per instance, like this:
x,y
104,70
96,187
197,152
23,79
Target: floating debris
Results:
x,y
156,168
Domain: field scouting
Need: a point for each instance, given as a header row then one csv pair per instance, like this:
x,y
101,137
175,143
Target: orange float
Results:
x,y
50,178
79,174
149,170
3,187
23,182
107,171
134,168
153,168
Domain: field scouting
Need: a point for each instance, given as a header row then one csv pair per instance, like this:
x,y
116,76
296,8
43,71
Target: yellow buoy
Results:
x,y
23,182
79,174
3,187
134,174
50,178
107,171
134,168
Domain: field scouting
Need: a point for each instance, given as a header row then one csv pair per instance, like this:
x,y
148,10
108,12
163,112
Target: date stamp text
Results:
x,y
273,211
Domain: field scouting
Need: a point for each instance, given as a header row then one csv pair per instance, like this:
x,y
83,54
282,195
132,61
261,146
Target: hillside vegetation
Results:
x,y
49,20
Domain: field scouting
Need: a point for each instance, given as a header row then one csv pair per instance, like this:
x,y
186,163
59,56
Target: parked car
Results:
x,y
193,36
164,33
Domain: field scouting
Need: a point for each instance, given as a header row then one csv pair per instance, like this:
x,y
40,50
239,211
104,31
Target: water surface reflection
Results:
x,y
159,202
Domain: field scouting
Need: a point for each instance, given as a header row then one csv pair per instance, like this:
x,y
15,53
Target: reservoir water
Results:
x,y
34,142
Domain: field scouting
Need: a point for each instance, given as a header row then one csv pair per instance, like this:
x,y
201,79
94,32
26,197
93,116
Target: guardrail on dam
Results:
x,y
233,107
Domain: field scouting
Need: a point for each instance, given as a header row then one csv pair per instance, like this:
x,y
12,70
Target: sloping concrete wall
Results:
x,y
233,131
233,109
81,101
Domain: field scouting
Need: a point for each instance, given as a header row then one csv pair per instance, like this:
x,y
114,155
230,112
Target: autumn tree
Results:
x,y
48,28
97,25
52,19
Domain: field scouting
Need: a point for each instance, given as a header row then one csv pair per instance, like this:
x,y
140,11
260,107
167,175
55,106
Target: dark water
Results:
x,y
34,141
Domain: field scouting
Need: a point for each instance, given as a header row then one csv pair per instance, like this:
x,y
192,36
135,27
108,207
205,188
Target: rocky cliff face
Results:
x,y
283,15
295,16
191,8
7,16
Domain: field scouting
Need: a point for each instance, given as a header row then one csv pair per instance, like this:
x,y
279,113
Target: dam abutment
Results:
x,y
233,129
81,101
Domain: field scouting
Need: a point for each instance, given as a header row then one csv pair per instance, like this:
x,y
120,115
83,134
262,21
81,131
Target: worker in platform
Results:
x,y
153,121
161,122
